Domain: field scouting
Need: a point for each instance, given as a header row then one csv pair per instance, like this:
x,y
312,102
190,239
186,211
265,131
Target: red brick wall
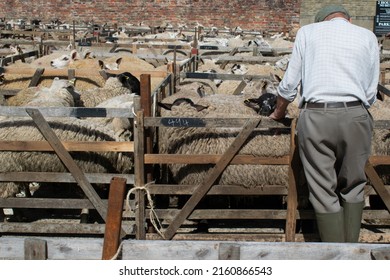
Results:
x,y
276,15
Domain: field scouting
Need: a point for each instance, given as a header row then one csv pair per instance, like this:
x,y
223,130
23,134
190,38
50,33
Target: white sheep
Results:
x,y
57,95
120,126
114,86
70,129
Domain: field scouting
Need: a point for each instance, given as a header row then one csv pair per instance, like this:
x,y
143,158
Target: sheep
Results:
x,y
110,66
216,141
71,129
120,84
58,94
122,127
21,81
264,105
64,60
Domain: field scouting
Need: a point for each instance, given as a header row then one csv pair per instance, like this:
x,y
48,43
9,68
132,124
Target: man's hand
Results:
x,y
280,109
277,115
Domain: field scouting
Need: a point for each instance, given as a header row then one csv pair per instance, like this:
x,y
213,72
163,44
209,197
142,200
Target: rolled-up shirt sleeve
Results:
x,y
375,70
288,87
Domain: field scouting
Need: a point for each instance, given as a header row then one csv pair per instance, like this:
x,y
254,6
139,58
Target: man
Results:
x,y
336,65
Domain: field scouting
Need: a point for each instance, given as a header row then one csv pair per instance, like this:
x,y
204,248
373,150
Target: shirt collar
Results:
x,y
339,18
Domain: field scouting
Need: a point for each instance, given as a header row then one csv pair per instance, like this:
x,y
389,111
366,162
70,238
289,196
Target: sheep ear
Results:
x,y
74,54
101,64
119,60
251,103
87,54
165,105
264,88
275,77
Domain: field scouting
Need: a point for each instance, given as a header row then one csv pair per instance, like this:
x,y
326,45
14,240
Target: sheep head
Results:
x,y
64,60
264,105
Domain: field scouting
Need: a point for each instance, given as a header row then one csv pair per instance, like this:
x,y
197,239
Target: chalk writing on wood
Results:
x,y
183,122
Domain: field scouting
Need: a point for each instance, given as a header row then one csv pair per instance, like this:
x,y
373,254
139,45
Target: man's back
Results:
x,y
338,60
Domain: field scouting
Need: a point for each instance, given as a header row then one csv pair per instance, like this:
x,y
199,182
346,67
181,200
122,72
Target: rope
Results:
x,y
153,215
117,251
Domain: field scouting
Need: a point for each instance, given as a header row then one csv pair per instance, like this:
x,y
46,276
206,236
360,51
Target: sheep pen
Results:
x,y
217,101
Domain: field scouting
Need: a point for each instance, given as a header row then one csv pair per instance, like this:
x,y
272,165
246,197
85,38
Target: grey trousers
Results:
x,y
334,146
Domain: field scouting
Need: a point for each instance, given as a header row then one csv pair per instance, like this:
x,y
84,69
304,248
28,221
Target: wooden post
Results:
x,y
172,69
74,36
112,232
35,249
378,185
195,54
146,106
383,82
292,196
139,179
37,76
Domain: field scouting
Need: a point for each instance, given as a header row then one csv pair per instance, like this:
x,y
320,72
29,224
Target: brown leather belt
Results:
x,y
333,104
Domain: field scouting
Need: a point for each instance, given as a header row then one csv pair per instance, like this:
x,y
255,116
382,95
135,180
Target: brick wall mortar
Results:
x,y
249,15
263,15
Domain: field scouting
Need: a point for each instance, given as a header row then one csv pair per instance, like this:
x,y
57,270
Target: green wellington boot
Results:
x,y
331,226
352,220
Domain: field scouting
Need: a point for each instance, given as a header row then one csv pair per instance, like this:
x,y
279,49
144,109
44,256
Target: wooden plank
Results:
x,y
270,239
383,90
71,74
68,161
213,76
82,146
378,160
139,167
59,177
245,59
146,106
78,248
228,251
232,53
205,159
233,214
53,228
35,249
213,175
76,112
112,233
47,203
79,73
292,197
378,184
13,58
218,190
256,214
381,253
266,123
36,77
240,88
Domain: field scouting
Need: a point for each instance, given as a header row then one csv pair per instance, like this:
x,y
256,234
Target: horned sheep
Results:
x,y
196,140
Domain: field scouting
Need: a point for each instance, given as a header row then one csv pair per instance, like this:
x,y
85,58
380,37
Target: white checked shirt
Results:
x,y
334,61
